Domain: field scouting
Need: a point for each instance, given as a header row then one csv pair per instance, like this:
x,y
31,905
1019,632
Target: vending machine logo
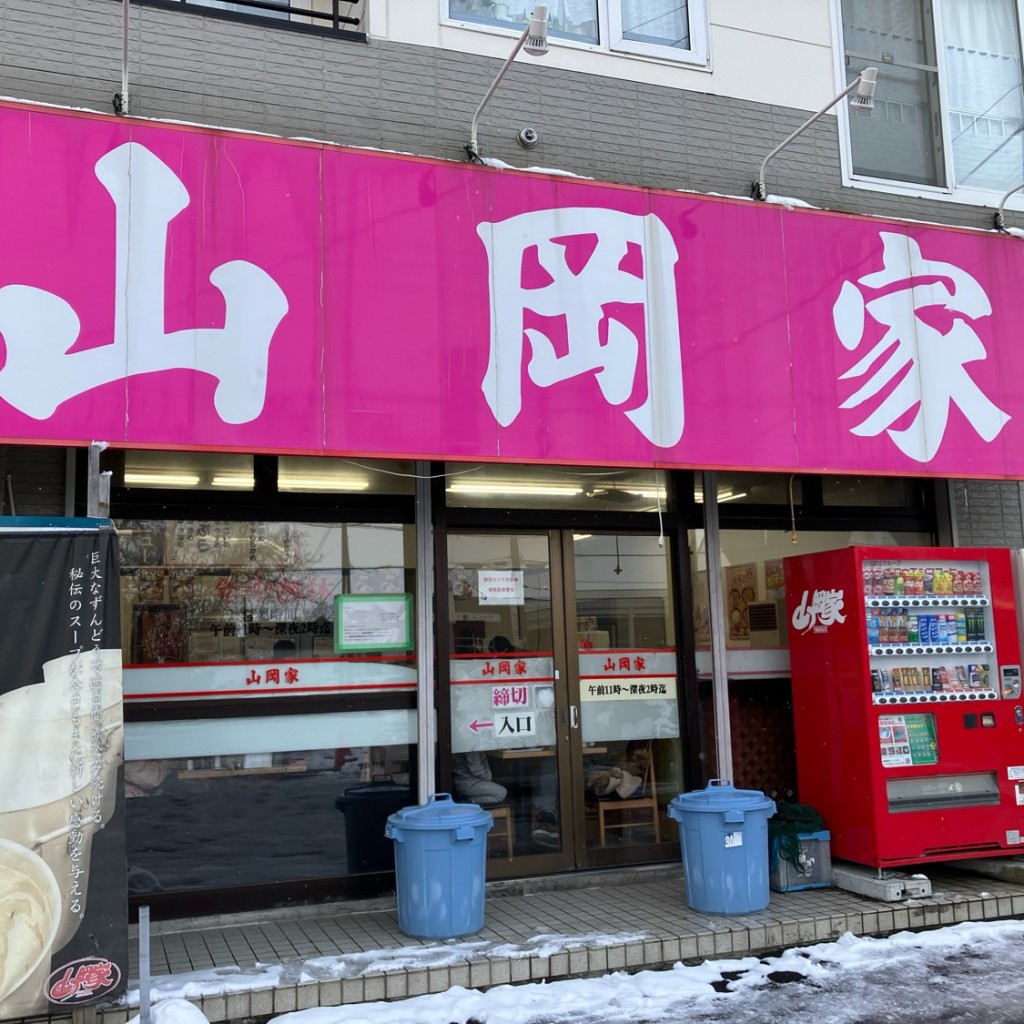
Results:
x,y
818,611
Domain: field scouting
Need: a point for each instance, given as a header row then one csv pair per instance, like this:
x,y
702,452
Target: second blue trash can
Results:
x,y
724,833
440,864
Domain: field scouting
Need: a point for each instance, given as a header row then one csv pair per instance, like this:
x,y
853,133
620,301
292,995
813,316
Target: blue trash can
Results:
x,y
724,833
440,863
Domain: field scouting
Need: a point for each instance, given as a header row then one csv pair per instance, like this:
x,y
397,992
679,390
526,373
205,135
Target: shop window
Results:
x,y
478,485
215,804
197,591
754,489
877,491
949,109
672,29
270,677
753,582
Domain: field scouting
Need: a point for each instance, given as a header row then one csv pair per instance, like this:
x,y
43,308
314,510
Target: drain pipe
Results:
x,y
121,98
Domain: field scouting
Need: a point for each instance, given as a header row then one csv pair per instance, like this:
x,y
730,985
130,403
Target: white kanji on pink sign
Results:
x,y
44,368
919,363
593,292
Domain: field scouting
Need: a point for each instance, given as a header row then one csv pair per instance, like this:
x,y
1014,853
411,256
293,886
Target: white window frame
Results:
x,y
952,193
697,11
610,36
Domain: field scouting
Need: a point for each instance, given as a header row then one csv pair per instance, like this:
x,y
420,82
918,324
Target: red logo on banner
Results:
x,y
83,980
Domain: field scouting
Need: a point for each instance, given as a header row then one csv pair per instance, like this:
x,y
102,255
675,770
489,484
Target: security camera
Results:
x,y
528,138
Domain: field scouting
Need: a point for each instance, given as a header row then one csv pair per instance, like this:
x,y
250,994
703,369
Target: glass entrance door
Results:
x,y
509,697
624,671
564,720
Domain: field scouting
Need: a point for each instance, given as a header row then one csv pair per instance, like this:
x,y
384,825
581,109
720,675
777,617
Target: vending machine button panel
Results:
x,y
1009,676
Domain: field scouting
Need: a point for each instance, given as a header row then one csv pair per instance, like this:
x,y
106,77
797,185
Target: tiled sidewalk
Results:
x,y
536,930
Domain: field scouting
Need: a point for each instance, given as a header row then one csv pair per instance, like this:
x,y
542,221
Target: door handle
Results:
x,y
574,716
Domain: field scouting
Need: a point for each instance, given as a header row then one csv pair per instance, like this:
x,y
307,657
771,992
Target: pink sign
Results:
x,y
179,287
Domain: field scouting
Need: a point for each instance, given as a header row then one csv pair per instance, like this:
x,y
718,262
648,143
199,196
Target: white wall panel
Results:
x,y
772,51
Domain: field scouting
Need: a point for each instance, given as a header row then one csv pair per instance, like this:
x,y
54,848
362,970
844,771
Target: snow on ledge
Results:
x,y
219,981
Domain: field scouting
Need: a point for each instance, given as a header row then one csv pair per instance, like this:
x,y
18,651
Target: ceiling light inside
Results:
x,y
155,478
237,481
498,487
322,483
723,495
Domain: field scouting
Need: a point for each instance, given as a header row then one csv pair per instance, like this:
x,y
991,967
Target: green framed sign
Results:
x,y
372,622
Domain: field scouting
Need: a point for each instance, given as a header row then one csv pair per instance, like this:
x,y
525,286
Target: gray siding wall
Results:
x,y
196,67
988,513
35,476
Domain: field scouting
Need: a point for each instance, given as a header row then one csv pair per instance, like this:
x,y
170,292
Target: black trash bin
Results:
x,y
366,808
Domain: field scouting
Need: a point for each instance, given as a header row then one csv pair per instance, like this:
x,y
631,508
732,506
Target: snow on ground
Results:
x,y
976,969
900,978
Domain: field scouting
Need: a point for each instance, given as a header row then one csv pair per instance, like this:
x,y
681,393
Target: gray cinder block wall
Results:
x,y
191,66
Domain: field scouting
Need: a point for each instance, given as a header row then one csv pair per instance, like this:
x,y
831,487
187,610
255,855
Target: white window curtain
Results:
x,y
665,22
574,18
983,92
570,19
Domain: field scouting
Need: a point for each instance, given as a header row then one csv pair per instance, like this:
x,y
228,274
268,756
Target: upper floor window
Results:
x,y
225,5
674,29
341,16
949,108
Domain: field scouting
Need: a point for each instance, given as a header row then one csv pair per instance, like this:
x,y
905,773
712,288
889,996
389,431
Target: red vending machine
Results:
x,y
907,701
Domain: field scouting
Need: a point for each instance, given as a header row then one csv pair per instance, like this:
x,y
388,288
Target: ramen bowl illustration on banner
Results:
x,y
48,807
30,908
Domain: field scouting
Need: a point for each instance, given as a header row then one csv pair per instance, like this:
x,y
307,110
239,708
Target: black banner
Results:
x,y
63,891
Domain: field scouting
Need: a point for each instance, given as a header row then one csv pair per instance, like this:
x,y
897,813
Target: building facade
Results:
x,y
390,506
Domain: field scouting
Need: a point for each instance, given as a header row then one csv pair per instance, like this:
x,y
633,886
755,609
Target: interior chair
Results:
x,y
503,827
639,811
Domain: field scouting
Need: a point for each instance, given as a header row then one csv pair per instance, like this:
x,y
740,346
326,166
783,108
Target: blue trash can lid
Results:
x,y
719,795
440,812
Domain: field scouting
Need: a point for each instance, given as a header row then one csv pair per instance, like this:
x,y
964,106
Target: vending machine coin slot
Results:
x,y
1018,715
